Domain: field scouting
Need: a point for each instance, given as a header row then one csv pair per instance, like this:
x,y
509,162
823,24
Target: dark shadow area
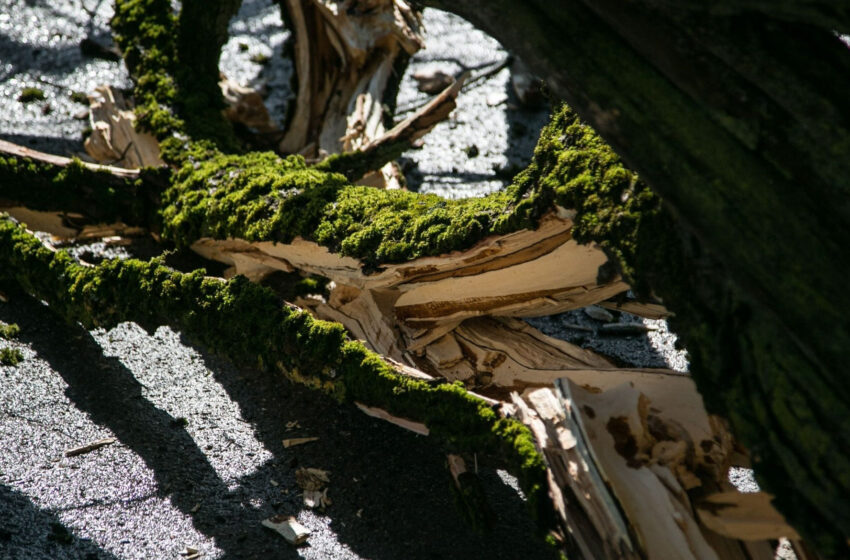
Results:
x,y
390,489
20,57
525,121
30,533
108,392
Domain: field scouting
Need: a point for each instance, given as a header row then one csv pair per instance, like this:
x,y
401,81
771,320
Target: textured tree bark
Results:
x,y
735,115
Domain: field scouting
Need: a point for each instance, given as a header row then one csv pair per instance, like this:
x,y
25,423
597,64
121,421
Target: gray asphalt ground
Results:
x,y
199,460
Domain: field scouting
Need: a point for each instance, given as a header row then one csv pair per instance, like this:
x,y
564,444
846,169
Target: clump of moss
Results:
x,y
144,30
261,196
30,94
576,169
79,97
9,331
10,356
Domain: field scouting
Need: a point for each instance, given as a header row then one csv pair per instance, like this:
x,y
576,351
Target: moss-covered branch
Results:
x,y
173,59
75,187
249,323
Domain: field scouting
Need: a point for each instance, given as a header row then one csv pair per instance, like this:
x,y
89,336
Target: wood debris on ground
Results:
x,y
288,528
190,553
292,442
314,484
89,447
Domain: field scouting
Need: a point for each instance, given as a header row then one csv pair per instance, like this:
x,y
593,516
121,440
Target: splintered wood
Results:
x,y
452,314
639,470
289,528
114,139
344,60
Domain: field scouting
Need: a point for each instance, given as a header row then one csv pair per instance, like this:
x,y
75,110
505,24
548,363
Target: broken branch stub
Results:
x,y
345,61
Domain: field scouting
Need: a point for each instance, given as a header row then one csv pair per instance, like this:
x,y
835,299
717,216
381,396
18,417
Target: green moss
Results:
x,y
9,331
576,169
79,97
163,50
10,356
145,30
76,188
261,196
30,94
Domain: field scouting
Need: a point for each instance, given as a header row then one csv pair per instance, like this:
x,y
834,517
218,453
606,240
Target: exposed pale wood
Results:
x,y
344,61
584,502
656,505
292,442
245,106
416,427
11,149
457,466
745,516
114,138
288,528
69,225
89,447
558,281
525,273
368,315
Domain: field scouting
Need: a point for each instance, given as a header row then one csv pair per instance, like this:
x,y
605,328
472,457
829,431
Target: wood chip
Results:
x,y
417,427
292,442
289,529
89,447
598,313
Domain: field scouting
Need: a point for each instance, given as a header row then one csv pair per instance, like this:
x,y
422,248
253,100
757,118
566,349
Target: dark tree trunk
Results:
x,y
740,120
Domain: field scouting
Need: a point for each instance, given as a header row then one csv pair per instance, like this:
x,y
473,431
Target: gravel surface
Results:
x,y
199,460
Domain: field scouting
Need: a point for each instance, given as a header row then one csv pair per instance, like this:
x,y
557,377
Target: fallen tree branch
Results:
x,y
87,192
271,334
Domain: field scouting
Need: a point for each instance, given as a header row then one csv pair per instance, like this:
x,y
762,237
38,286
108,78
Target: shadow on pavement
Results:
x,y
390,488
27,532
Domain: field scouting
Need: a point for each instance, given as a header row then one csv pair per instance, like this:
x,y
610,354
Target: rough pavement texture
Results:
x,y
199,460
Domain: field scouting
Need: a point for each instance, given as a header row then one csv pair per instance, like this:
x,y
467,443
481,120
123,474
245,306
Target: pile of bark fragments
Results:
x,y
635,466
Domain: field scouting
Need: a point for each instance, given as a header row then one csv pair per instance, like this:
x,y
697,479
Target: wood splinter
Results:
x,y
89,447
288,528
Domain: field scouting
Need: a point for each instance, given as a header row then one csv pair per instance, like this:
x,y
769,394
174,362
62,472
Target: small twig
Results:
x,y
492,71
89,447
12,149
123,154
